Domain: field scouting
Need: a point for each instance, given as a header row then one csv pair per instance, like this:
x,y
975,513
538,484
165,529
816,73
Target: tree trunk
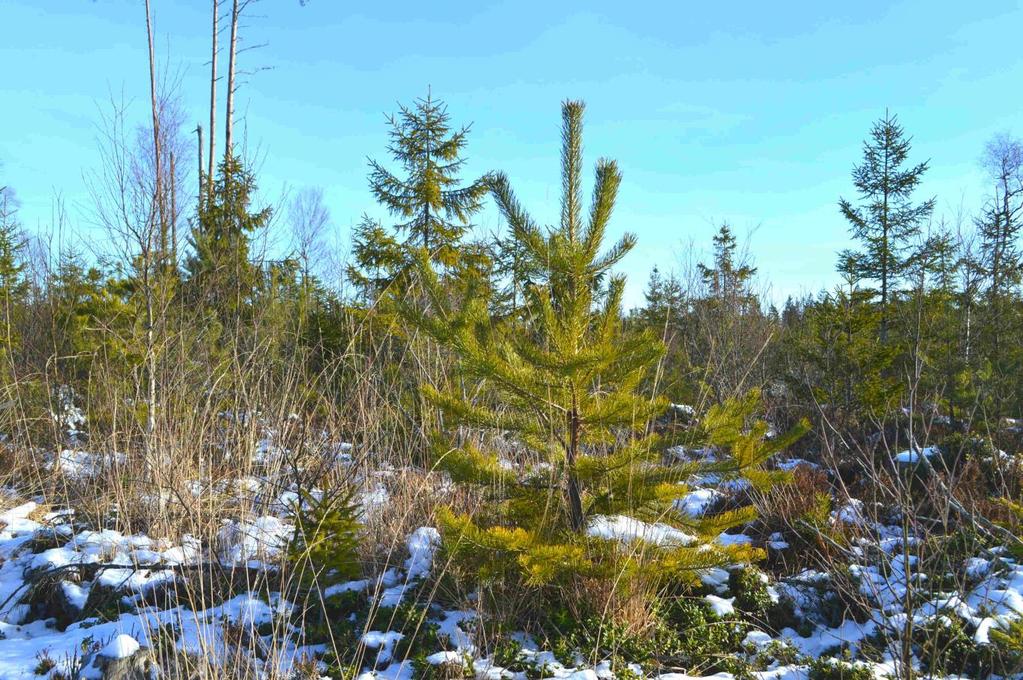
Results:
x,y
147,259
158,188
213,106
575,504
198,133
173,213
232,52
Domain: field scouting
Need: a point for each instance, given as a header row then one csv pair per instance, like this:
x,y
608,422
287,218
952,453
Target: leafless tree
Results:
x,y
309,220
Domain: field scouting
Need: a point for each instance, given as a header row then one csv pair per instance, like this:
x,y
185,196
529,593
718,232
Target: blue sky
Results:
x,y
746,112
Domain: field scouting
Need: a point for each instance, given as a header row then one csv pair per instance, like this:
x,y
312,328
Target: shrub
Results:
x,y
946,647
704,640
828,668
748,586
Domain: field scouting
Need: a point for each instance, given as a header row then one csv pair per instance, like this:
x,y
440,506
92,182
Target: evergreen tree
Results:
x,y
563,379
665,315
665,302
1000,225
222,276
727,281
728,333
13,286
377,256
886,221
836,359
933,358
515,273
429,198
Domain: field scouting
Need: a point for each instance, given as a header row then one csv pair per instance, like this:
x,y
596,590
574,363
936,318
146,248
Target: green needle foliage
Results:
x,y
221,271
436,208
562,381
886,221
325,545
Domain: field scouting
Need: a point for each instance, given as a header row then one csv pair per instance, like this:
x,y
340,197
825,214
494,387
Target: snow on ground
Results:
x,y
35,540
626,529
697,502
915,455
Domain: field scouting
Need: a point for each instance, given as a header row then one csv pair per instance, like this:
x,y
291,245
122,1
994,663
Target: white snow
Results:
x,y
422,545
696,503
914,455
383,642
121,647
850,513
628,529
720,605
260,539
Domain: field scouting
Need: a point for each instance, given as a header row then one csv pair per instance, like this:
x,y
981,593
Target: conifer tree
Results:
x,y
1000,225
665,314
728,332
13,286
377,256
664,301
563,379
886,221
434,206
727,281
221,272
849,370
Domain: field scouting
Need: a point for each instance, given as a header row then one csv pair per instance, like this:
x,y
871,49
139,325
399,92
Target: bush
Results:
x,y
946,646
704,639
827,668
749,588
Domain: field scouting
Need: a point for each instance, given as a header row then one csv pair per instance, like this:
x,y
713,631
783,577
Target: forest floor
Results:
x,y
88,601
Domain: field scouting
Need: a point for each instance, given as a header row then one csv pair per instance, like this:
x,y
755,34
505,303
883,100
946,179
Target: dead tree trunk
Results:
x,y
232,53
157,214
213,105
198,133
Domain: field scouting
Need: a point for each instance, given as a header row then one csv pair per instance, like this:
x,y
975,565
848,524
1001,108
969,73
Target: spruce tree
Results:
x,y
13,286
727,281
665,302
886,221
377,256
665,315
728,333
562,380
434,206
221,273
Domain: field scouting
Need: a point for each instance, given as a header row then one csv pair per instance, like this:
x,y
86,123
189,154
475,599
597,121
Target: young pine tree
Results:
x,y
562,380
886,221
